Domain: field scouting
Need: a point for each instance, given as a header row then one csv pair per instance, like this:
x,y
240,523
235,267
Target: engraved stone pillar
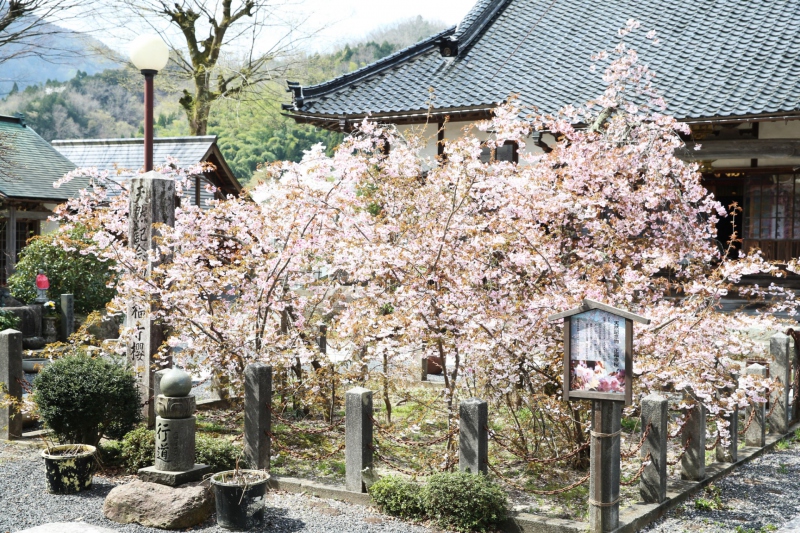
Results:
x,y
424,370
152,201
175,433
756,432
780,370
653,484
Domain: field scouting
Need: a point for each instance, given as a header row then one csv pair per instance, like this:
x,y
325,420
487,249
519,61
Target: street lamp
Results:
x,y
148,53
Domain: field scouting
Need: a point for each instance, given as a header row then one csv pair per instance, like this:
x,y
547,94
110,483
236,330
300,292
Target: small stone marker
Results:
x,y
693,438
780,370
357,437
257,415
755,435
473,437
152,201
730,453
423,376
10,376
67,315
175,433
653,483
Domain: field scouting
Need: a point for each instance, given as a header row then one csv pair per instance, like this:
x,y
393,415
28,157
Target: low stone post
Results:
x,y
424,369
257,415
604,466
780,370
357,437
693,438
755,435
473,437
653,483
730,453
67,315
10,377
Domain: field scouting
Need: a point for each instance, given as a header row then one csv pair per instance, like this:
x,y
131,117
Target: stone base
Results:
x,y
173,479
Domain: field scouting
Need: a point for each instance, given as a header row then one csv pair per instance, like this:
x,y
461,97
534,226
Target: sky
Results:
x,y
348,20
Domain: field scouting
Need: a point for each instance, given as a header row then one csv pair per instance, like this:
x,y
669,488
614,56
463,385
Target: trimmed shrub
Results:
x,y
82,398
464,501
110,453
398,497
139,449
217,452
84,276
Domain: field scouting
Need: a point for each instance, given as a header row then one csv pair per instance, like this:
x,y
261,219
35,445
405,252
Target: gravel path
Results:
x,y
24,503
759,497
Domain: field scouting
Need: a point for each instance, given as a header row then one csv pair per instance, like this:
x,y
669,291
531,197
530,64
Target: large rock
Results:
x,y
154,505
107,328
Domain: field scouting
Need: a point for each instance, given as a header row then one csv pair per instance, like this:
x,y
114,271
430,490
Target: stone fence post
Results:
x,y
780,370
756,432
10,376
357,437
693,462
473,437
257,415
67,315
653,483
424,369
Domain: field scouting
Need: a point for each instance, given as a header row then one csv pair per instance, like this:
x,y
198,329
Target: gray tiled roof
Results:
x,y
126,156
717,58
30,165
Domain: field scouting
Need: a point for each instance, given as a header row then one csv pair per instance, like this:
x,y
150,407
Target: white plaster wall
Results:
x,y
779,130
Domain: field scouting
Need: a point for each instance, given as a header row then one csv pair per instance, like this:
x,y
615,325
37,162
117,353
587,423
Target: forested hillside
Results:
x,y
251,130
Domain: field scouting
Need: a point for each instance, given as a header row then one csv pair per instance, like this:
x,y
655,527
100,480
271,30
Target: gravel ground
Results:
x,y
24,503
758,497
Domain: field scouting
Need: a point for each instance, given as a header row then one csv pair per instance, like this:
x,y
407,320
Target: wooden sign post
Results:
x,y
598,366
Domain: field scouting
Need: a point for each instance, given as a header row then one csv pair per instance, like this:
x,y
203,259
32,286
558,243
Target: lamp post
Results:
x,y
148,53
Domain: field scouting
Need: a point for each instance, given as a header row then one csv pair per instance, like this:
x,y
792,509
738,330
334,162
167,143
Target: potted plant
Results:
x,y
82,399
69,467
240,497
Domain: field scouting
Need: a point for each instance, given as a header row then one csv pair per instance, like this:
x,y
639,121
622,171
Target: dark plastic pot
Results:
x,y
68,474
240,499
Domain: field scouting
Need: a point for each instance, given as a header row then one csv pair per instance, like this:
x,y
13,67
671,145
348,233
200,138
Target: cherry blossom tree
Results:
x,y
465,260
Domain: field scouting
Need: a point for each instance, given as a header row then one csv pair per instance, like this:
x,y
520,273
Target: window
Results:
x,y
771,207
506,152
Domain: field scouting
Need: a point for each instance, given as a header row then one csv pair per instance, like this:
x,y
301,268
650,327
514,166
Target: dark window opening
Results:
x,y
508,151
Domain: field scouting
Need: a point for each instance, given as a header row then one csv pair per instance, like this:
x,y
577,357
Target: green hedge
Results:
x,y
454,500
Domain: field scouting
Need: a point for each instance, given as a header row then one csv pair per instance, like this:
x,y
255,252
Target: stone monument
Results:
x,y
175,433
42,284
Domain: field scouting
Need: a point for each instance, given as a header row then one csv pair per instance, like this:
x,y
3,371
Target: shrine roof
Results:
x,y
29,165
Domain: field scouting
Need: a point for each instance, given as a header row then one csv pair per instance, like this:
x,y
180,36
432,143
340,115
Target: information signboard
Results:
x,y
598,351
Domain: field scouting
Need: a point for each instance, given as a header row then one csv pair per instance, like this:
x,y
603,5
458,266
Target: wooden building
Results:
x,y
28,168
729,68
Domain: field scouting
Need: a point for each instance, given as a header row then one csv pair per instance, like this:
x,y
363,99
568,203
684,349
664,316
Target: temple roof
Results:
x,y
716,59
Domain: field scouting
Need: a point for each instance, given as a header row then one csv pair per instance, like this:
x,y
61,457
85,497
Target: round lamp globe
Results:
x,y
149,52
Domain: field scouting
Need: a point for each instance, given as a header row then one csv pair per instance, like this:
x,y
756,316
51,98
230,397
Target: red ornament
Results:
x,y
42,282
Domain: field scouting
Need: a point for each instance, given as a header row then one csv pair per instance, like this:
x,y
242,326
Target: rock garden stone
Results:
x,y
160,506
